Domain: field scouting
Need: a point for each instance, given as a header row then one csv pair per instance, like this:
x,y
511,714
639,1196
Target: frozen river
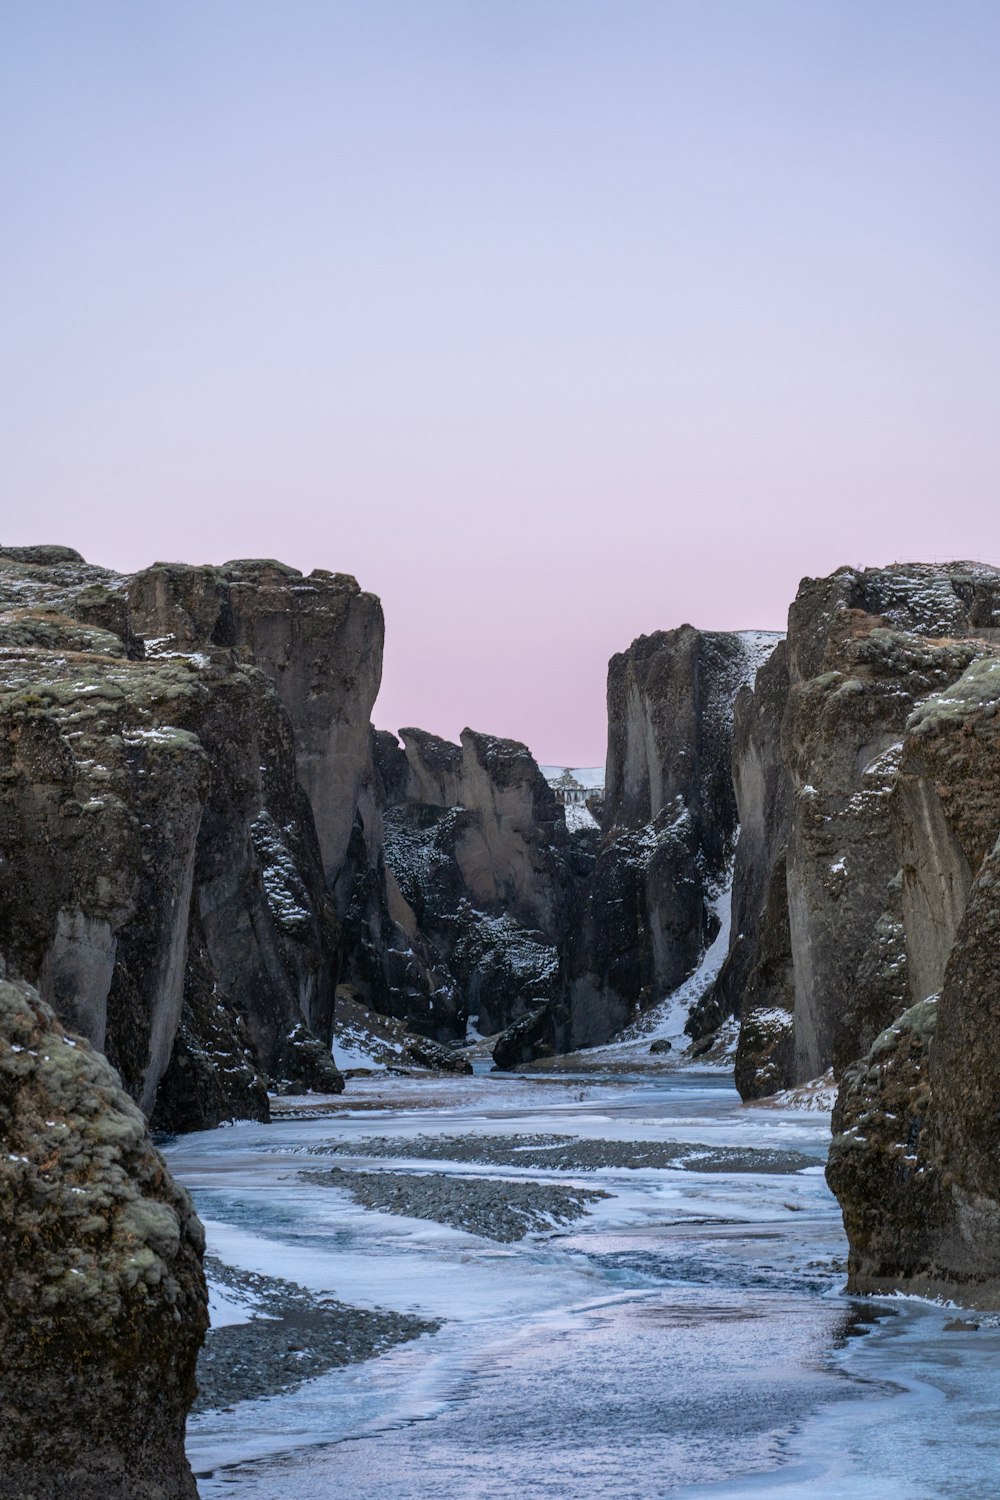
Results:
x,y
687,1336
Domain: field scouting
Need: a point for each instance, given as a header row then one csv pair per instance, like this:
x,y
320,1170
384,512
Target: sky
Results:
x,y
555,322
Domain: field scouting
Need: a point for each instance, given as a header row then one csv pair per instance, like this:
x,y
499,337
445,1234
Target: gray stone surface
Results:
x,y
643,919
160,873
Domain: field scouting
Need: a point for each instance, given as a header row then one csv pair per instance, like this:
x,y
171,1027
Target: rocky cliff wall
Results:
x,y
481,870
318,639
645,917
914,1160
389,965
163,879
821,961
103,1304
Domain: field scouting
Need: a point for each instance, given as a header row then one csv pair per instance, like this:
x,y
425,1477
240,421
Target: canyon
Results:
x,y
209,858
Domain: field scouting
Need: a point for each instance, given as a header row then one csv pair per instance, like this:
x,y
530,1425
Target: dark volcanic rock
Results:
x,y
915,1158
526,1041
757,976
102,1299
669,825
318,639
881,1164
822,947
388,965
162,878
480,873
386,1041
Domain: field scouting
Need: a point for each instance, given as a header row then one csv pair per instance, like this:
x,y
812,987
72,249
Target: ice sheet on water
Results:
x,y
703,1311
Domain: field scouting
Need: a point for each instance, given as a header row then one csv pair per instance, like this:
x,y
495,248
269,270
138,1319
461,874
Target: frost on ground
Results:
x,y
818,1096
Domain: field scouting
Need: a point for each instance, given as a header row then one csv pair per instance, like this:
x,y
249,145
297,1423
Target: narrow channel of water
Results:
x,y
688,1336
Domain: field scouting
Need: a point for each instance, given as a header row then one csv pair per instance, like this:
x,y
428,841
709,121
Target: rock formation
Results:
x,y
103,1304
645,917
165,876
820,963
319,641
915,1159
480,871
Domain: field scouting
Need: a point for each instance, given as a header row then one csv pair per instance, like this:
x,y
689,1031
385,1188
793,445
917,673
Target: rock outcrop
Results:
x,y
480,870
915,1160
646,915
181,763
103,1304
757,978
820,963
388,964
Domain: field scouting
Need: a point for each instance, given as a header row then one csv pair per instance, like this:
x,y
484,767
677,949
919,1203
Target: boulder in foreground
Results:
x,y
103,1304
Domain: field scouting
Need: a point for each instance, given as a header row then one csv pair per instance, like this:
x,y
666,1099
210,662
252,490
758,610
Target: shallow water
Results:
x,y
689,1336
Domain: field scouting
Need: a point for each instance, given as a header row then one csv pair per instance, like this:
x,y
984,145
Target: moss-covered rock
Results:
x,y
103,1304
882,1164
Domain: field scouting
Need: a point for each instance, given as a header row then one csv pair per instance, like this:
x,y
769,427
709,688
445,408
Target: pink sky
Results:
x,y
553,323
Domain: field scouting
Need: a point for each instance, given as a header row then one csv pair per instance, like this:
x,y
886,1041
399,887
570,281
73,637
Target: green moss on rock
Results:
x,y
103,1304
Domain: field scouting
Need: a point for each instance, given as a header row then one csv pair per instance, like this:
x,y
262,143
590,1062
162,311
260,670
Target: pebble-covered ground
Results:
x,y
565,1153
292,1336
487,1206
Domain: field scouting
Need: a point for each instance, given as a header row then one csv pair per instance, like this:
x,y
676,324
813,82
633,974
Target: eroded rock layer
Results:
x,y
915,1159
480,871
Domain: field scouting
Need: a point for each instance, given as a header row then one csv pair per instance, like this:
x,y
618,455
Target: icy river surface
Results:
x,y
686,1335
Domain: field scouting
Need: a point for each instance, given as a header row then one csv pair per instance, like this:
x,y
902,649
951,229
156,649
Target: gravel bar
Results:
x,y
488,1206
567,1153
293,1336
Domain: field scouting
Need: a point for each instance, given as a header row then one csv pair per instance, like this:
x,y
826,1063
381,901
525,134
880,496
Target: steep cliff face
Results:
x,y
757,977
669,823
819,964
916,1148
103,1304
162,878
388,965
318,638
480,865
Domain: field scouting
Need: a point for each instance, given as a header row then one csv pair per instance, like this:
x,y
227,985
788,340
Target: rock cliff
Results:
x,y
820,963
480,869
914,1160
645,916
103,1304
389,965
181,763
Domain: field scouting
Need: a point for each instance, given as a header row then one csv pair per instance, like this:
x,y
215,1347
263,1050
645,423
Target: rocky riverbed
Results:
x,y
291,1336
496,1208
566,1153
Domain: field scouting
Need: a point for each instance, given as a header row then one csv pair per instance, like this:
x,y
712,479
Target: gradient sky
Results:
x,y
553,321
